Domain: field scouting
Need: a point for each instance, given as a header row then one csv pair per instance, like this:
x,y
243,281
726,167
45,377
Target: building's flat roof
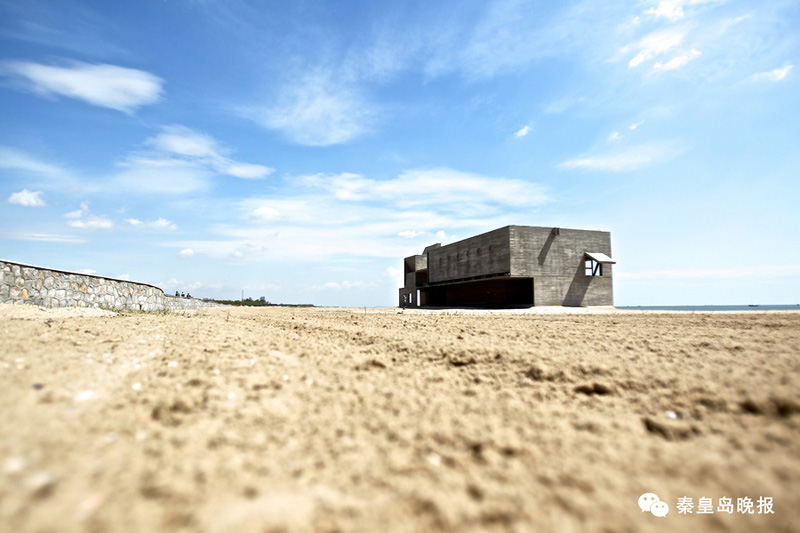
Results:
x,y
427,249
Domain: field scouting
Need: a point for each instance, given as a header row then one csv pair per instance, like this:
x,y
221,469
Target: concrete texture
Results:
x,y
513,266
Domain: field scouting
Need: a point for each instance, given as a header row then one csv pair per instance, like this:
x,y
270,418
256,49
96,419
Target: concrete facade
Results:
x,y
32,285
514,266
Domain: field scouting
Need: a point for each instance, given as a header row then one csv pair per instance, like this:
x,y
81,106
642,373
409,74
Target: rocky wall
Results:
x,y
27,284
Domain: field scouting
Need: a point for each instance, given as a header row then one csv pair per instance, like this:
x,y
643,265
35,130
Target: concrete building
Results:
x,y
514,266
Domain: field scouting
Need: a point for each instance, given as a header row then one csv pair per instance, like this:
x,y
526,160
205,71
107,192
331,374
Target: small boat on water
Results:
x,y
753,305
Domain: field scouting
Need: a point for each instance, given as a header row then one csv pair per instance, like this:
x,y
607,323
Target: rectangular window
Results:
x,y
593,268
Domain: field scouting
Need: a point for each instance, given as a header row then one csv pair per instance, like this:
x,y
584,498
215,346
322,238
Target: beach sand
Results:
x,y
277,419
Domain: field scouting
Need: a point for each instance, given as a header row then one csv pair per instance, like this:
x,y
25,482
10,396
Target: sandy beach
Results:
x,y
278,419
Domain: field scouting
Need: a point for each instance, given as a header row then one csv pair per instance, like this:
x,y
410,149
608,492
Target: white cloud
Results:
x,y
317,110
246,171
773,75
88,271
395,273
615,136
655,44
83,219
186,252
443,186
342,285
631,159
91,222
148,175
123,89
350,214
79,212
448,186
523,132
632,127
45,237
345,186
677,61
161,223
203,150
673,9
27,198
158,224
184,141
264,213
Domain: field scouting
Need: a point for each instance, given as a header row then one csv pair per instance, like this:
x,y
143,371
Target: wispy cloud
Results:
x,y
633,158
44,237
186,252
66,25
773,75
19,161
369,217
677,61
204,149
317,110
120,88
655,44
444,186
27,198
181,161
148,175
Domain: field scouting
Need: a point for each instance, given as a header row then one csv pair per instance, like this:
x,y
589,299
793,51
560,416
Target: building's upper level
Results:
x,y
517,251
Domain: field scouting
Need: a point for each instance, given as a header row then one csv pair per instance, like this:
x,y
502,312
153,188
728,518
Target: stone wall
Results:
x,y
27,284
176,303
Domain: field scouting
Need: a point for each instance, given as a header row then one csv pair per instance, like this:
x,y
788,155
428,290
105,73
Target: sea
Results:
x,y
795,307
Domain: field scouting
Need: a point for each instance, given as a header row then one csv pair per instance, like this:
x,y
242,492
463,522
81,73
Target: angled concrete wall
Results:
x,y
556,263
32,285
483,255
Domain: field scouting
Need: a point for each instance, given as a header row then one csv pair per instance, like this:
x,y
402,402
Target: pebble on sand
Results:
x,y
84,396
14,465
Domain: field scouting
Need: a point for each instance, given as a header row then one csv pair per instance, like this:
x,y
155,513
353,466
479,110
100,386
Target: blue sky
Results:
x,y
299,150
